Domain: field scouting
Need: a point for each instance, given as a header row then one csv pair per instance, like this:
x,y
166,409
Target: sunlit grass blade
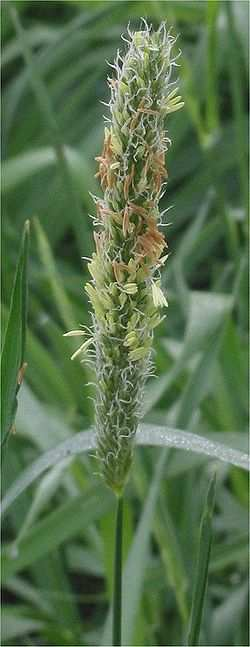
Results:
x,y
79,443
153,435
42,425
13,353
200,582
160,436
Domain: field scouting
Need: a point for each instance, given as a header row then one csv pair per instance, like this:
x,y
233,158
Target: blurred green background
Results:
x,y
57,581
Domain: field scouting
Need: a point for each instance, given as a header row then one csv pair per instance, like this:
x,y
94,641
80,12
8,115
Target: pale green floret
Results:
x,y
105,299
172,107
97,305
131,339
130,288
74,333
95,269
133,321
82,348
139,353
122,299
155,320
158,297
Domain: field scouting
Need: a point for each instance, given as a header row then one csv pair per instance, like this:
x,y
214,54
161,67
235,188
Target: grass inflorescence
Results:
x,y
125,290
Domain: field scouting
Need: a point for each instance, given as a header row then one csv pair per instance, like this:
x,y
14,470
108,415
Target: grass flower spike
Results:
x,y
125,289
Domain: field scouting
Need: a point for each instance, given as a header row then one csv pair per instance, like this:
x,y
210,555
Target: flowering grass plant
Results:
x,y
83,563
125,290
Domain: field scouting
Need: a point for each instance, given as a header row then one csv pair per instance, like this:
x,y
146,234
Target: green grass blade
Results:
x,y
59,526
212,113
164,533
27,593
236,69
207,313
79,443
50,121
160,436
59,295
45,491
41,424
41,35
21,168
152,435
16,624
199,383
171,555
14,342
49,382
230,553
200,583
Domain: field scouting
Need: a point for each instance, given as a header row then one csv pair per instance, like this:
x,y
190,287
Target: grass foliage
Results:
x,y
59,533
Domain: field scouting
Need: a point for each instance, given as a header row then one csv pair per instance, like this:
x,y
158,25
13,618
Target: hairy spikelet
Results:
x,y
125,290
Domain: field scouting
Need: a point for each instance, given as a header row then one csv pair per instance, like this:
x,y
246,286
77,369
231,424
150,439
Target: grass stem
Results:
x,y
117,590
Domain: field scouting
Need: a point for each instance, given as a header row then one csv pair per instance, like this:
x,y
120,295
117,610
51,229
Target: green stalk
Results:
x,y
117,591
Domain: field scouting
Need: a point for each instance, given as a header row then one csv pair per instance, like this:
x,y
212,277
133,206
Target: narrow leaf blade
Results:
x,y
200,583
160,436
147,435
57,527
14,341
59,295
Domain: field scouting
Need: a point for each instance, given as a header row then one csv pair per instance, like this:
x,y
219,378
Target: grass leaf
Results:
x,y
153,435
51,124
57,289
59,526
14,342
200,582
160,436
78,444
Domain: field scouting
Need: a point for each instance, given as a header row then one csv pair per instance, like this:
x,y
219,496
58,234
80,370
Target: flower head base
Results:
x,y
125,288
